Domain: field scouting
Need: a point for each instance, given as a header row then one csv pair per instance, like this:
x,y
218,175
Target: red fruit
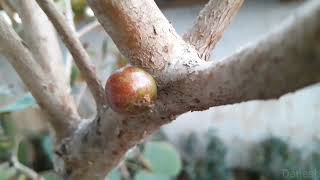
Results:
x,y
131,91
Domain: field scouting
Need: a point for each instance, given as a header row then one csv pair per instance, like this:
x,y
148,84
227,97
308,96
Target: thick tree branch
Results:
x,y
145,37
212,22
41,38
78,52
285,60
54,100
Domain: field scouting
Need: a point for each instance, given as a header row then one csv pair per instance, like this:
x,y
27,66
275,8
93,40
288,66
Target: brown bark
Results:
x,y
276,65
144,36
56,101
212,21
41,38
282,62
81,57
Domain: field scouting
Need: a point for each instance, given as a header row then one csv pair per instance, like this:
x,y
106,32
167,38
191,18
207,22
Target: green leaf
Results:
x,y
22,177
60,4
75,75
8,126
5,143
49,175
48,147
22,103
163,158
24,153
144,175
114,175
7,173
79,6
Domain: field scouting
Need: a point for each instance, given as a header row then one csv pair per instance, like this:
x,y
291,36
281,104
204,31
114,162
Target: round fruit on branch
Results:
x,y
131,91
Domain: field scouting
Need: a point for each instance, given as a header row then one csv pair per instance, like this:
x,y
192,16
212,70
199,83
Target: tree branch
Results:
x,y
87,28
41,38
286,60
6,6
21,167
54,100
145,37
282,62
75,47
69,16
212,22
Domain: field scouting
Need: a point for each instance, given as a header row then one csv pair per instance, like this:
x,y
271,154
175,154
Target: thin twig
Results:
x,y
68,65
20,167
55,101
42,40
69,17
212,22
81,32
69,14
6,6
88,27
79,96
124,171
25,170
78,52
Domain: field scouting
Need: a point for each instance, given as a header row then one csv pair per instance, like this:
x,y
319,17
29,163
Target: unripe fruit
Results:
x,y
131,91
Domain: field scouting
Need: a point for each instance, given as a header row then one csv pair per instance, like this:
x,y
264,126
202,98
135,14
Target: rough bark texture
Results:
x,y
79,54
56,101
145,37
212,21
274,66
41,38
283,61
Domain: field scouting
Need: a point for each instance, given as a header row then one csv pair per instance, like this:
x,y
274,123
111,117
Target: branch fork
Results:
x,y
275,65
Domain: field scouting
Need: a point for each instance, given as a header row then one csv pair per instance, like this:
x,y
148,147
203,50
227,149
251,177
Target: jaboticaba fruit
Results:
x,y
131,91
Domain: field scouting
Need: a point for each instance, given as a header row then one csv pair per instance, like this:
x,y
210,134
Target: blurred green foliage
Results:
x,y
159,160
211,164
273,159
163,158
30,151
6,172
144,175
79,6
24,102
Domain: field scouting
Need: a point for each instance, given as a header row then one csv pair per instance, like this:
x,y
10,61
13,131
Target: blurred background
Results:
x,y
263,140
